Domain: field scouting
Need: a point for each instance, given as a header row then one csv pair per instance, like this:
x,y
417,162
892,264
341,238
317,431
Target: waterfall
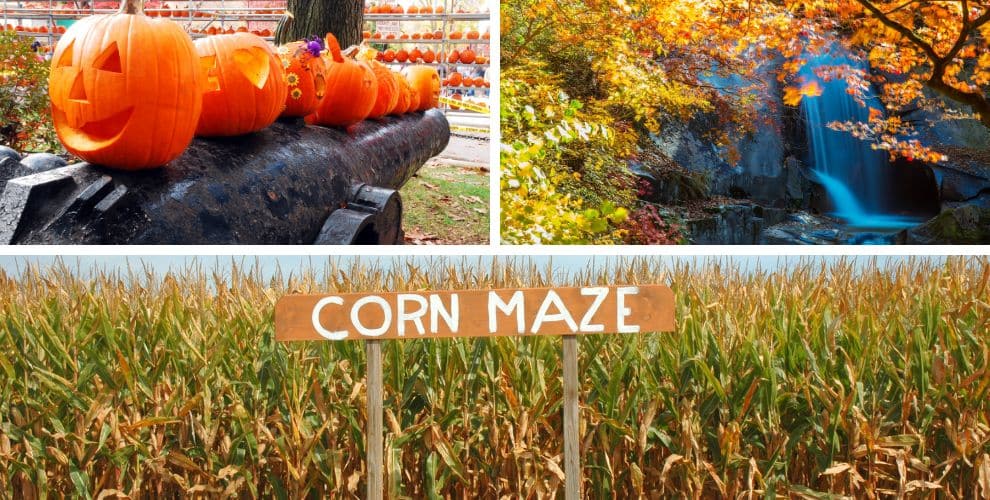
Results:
x,y
854,175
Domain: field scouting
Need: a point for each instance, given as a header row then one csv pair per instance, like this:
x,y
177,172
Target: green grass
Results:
x,y
448,203
819,379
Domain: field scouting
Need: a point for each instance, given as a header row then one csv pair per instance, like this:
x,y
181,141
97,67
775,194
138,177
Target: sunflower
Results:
x,y
296,93
293,79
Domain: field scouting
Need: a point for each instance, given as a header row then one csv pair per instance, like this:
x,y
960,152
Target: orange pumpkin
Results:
x,y
402,56
245,85
455,79
404,96
412,10
454,56
480,60
467,56
388,90
388,55
479,81
414,100
305,73
429,56
352,90
125,89
456,35
415,55
471,35
425,81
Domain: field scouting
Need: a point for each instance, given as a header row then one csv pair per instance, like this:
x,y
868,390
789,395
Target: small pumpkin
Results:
x,y
305,74
415,55
425,81
472,35
401,55
352,89
429,56
479,81
388,90
456,35
388,56
404,96
245,85
454,56
467,56
125,89
414,100
455,79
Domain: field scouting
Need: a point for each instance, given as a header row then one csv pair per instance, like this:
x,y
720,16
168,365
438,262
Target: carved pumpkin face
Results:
x,y
125,90
245,84
424,81
306,77
352,90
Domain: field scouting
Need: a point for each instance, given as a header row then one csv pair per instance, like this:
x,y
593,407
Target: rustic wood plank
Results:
x,y
572,439
376,462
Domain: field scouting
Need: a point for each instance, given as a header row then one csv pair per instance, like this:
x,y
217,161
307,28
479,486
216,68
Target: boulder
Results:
x,y
41,162
6,152
965,225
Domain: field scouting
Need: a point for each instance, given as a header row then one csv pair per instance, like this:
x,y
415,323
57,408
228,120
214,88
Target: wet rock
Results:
x,y
41,162
737,224
6,152
966,225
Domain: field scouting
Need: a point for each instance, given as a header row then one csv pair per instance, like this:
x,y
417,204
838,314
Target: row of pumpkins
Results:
x,y
130,92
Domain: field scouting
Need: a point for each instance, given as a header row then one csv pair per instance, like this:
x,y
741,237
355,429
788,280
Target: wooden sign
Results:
x,y
475,313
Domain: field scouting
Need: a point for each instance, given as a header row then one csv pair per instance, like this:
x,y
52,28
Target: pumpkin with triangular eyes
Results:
x,y
245,84
425,82
305,74
125,89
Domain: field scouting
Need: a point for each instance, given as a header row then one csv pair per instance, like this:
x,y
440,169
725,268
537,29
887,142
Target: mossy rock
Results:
x,y
966,225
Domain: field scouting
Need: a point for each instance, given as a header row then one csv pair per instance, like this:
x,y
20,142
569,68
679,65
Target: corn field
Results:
x,y
816,380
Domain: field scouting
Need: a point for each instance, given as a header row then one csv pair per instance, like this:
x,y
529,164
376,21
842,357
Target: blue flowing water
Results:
x,y
854,174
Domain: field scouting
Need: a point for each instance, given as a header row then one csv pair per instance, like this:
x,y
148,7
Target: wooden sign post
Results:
x,y
524,312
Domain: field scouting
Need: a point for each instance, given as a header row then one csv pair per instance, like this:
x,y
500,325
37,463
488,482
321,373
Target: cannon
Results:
x,y
291,183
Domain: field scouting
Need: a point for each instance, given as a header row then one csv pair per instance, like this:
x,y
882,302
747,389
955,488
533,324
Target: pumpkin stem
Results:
x,y
131,7
334,47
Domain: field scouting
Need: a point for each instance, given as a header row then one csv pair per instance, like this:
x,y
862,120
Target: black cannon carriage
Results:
x,y
288,184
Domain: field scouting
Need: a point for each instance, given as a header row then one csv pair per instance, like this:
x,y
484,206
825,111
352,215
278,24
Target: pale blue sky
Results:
x,y
161,264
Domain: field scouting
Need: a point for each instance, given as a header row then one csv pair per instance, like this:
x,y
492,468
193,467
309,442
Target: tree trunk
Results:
x,y
312,18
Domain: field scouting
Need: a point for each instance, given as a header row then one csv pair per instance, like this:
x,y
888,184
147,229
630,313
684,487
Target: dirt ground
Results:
x,y
447,202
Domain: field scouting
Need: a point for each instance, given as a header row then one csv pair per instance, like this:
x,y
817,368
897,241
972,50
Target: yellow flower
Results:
x,y
293,79
296,93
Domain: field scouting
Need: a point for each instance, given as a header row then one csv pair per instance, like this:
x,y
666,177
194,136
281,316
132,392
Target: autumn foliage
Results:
x,y
643,62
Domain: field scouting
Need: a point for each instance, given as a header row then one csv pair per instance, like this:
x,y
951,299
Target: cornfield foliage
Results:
x,y
819,379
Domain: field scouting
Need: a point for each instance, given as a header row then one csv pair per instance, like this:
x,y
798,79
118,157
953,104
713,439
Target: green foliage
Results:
x,y
556,154
25,119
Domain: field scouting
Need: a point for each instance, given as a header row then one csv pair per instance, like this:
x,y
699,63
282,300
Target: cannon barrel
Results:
x,y
288,184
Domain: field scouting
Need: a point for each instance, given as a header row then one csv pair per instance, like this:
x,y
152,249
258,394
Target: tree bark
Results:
x,y
312,18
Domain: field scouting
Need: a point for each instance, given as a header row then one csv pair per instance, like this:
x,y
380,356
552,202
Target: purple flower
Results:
x,y
315,46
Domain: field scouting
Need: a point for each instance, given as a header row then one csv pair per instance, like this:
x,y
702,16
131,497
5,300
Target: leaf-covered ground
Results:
x,y
447,202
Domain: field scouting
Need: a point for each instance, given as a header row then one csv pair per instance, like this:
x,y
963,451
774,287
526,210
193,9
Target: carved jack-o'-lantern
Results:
x,y
352,89
245,84
125,89
305,73
425,81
